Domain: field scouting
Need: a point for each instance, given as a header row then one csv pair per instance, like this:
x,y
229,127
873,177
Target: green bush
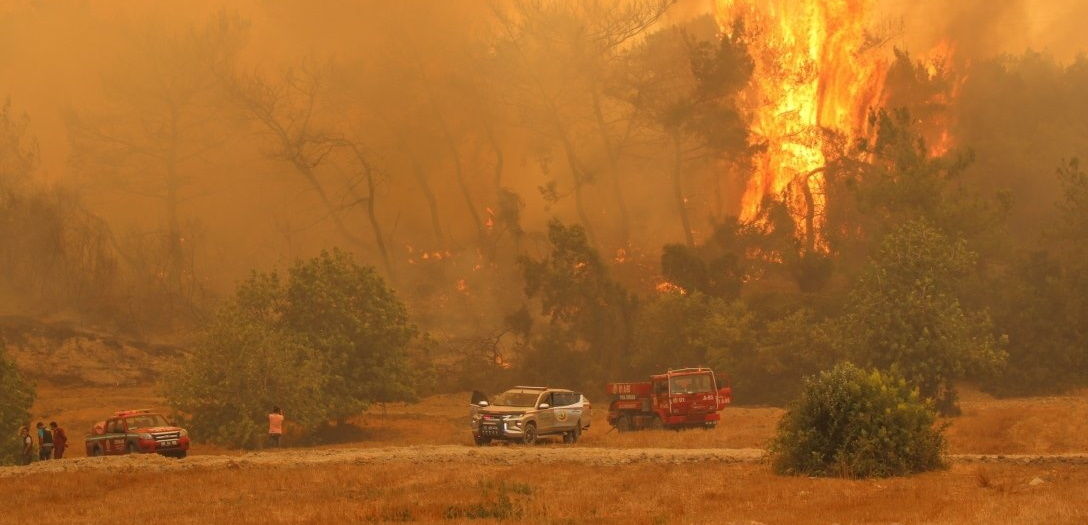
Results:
x,y
854,423
16,396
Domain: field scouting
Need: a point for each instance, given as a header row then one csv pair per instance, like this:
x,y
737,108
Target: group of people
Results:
x,y
52,442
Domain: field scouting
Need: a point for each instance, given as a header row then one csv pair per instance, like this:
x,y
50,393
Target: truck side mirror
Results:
x,y
544,405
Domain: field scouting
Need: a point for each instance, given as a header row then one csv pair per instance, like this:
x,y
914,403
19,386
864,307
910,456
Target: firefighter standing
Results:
x,y
60,440
45,442
27,453
275,427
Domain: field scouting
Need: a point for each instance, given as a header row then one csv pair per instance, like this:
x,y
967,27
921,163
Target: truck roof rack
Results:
x,y
697,369
532,387
124,413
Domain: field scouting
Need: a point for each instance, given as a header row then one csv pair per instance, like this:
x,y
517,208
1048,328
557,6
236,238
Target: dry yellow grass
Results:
x,y
1035,425
558,493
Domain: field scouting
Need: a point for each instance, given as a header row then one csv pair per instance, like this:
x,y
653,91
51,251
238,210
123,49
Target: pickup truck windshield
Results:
x,y
516,399
693,384
146,421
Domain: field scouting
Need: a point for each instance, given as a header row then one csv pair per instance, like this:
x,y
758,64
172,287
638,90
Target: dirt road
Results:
x,y
495,455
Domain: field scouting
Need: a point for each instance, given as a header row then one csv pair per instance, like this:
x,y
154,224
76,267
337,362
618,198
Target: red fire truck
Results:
x,y
689,397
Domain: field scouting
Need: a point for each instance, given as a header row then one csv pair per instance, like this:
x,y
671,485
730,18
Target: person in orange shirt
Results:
x,y
275,427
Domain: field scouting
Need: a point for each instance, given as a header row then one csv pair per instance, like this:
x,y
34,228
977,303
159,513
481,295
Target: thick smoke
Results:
x,y
448,118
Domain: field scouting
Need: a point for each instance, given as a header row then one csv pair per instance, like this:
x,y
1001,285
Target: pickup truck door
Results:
x,y
567,410
115,436
545,418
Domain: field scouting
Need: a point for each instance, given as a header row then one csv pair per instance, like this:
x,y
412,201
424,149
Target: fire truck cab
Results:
x,y
684,398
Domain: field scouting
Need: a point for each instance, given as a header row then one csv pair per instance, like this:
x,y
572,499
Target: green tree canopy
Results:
x,y
588,311
346,313
684,330
904,315
323,345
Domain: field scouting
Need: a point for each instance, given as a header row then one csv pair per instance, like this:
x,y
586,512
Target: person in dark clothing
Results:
x,y
60,440
26,456
45,442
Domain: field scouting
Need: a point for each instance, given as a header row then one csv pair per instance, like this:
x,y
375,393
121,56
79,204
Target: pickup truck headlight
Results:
x,y
183,434
146,437
476,418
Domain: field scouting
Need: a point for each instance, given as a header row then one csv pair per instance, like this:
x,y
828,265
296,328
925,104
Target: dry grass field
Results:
x,y
555,493
470,490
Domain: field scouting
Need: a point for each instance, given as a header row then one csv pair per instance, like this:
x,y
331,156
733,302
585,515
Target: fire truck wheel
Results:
x,y
571,437
97,451
132,448
529,437
481,441
623,423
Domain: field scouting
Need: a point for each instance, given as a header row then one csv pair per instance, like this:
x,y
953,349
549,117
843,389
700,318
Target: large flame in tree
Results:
x,y
816,70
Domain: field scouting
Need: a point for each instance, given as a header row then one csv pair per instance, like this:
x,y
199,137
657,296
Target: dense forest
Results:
x,y
553,191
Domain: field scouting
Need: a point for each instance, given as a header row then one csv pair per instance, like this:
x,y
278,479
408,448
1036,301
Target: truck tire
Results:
x,y
180,454
131,449
96,451
623,423
481,441
529,437
572,437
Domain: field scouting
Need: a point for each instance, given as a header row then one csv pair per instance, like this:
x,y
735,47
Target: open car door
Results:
x,y
479,400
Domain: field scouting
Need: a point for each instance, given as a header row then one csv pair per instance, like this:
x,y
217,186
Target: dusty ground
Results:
x,y
434,454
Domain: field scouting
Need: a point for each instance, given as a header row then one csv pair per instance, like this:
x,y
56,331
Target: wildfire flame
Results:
x,y
938,62
667,287
816,69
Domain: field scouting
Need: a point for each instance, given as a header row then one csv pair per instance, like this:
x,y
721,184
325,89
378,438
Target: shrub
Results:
x,y
855,423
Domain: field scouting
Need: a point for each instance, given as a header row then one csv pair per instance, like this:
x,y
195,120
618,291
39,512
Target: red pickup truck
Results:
x,y
137,432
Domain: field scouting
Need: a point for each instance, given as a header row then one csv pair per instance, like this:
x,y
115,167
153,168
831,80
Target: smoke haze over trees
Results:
x,y
551,190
